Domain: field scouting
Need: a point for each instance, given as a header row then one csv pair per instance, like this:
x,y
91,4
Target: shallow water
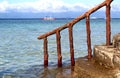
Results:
x,y
21,52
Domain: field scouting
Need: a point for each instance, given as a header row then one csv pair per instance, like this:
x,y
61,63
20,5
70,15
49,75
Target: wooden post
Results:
x,y
45,53
59,48
71,46
108,28
88,37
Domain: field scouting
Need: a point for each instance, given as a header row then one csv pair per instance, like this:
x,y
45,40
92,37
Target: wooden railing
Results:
x,y
70,29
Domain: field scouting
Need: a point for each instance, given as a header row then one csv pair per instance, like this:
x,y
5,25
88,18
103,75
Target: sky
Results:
x,y
54,8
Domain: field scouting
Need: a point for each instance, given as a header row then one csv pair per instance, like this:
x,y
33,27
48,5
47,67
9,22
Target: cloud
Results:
x,y
115,7
41,6
47,6
3,6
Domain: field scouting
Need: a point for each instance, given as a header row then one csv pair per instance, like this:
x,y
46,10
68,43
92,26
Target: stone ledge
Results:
x,y
107,56
104,55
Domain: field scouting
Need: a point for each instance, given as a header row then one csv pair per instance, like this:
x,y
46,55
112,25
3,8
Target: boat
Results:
x,y
48,18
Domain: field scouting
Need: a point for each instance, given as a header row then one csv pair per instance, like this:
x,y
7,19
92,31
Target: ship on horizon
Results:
x,y
48,18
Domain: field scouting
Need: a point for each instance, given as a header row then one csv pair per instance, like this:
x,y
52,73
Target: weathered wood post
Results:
x,y
45,52
108,19
59,48
88,36
71,45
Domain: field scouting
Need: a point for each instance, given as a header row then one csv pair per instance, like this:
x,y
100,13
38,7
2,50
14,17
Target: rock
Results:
x,y
109,56
116,41
117,75
116,60
89,69
8,76
104,55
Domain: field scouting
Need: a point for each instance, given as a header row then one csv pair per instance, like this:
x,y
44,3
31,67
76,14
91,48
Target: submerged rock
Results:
x,y
90,69
8,76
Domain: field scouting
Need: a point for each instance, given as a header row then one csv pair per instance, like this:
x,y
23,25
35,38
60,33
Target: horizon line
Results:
x,y
42,18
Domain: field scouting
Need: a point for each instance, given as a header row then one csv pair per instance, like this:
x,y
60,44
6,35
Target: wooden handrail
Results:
x,y
74,21
70,25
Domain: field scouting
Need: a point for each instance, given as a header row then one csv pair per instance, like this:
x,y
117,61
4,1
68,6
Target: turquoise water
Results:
x,y
20,50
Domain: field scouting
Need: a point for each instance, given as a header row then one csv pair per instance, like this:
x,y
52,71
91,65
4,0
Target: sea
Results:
x,y
21,53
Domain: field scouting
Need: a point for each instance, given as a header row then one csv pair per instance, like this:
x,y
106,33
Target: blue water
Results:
x,y
20,49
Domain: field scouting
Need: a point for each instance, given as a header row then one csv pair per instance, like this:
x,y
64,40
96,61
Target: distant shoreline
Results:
x,y
31,18
42,18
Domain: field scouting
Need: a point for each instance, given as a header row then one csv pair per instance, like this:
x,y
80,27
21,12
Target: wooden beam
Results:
x,y
108,27
58,37
88,37
45,53
71,45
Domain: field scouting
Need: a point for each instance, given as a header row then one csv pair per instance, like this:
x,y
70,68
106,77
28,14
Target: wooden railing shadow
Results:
x,y
70,25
